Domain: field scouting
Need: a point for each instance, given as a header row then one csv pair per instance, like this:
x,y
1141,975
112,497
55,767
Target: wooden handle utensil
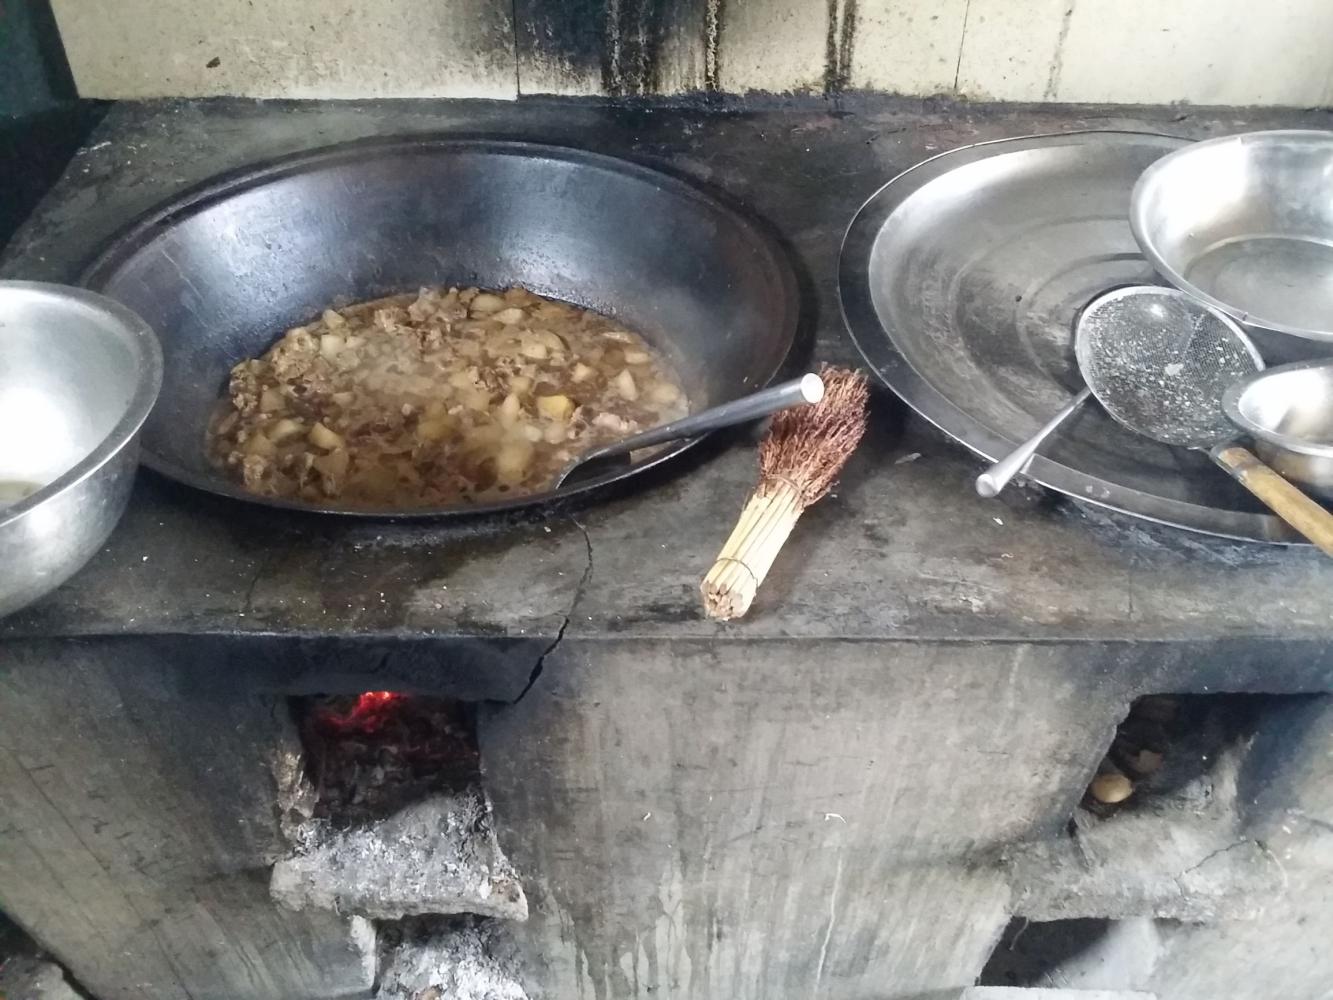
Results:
x,y
1281,497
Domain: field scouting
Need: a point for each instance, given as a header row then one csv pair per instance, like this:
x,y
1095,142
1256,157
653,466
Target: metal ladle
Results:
x,y
798,392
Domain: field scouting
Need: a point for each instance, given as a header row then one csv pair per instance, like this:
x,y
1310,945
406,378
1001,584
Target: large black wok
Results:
x,y
222,272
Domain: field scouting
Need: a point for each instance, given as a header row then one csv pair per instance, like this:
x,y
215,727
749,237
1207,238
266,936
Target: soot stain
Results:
x,y
568,33
687,609
839,42
634,36
624,42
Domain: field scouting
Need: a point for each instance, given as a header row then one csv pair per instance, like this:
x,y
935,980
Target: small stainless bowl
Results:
x,y
1288,411
78,375
1245,224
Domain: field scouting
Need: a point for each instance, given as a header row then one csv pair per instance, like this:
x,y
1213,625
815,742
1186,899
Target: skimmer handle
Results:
x,y
1280,496
996,478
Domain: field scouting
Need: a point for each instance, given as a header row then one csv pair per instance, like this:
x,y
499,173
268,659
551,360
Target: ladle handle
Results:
x,y
801,391
996,478
1282,498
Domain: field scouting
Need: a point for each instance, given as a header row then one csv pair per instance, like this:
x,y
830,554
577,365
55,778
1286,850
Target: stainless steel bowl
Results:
x,y
78,375
1288,411
1245,224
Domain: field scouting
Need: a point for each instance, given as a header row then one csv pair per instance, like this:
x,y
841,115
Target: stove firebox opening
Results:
x,y
369,755
388,821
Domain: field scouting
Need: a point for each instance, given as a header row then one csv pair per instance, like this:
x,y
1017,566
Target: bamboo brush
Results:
x,y
799,460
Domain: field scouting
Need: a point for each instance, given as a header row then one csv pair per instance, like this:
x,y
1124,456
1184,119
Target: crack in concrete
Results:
x,y
248,603
1209,857
266,563
962,43
540,665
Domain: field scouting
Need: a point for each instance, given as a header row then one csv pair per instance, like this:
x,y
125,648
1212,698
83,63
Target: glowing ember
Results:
x,y
372,700
366,715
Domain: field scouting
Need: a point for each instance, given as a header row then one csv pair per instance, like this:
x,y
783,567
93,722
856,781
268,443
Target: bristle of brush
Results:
x,y
808,445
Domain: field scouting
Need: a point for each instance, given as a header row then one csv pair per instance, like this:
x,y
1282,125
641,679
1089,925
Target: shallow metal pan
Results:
x,y
960,280
221,272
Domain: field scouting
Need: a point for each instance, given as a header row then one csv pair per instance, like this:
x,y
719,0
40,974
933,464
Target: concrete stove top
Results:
x,y
904,550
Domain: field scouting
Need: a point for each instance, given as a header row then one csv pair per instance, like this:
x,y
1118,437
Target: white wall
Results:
x,y
1277,52
289,48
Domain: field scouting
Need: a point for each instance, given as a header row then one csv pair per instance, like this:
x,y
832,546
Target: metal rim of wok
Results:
x,y
769,257
877,346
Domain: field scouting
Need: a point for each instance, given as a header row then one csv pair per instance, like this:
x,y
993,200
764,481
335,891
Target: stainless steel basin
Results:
x,y
78,376
1245,224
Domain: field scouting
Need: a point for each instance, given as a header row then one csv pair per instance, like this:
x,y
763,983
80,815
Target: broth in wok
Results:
x,y
447,396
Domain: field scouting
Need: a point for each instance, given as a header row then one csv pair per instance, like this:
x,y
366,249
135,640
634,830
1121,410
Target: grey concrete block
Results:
x,y
710,823
30,977
463,961
1284,955
1289,798
437,856
136,826
1185,857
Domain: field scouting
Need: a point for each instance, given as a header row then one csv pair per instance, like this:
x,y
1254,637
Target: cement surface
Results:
x,y
902,550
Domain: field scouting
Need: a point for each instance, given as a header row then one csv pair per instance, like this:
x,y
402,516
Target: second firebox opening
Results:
x,y
1169,747
1166,829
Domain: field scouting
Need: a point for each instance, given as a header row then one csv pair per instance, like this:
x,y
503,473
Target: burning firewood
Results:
x,y
799,462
